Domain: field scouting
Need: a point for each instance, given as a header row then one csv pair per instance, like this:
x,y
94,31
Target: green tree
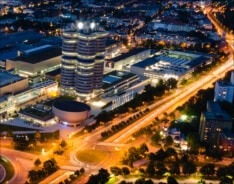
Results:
x,y
222,171
189,168
82,170
150,170
171,83
37,135
101,178
37,162
160,168
193,140
160,155
226,180
33,176
50,166
208,169
115,170
63,144
143,148
175,168
171,180
170,152
143,181
155,138
125,170
168,141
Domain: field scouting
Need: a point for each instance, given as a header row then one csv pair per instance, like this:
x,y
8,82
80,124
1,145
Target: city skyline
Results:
x,y
116,91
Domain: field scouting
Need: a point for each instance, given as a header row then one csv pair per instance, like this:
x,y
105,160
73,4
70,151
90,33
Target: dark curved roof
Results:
x,y
71,106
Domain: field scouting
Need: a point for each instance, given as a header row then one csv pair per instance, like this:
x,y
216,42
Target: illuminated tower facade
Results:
x,y
83,60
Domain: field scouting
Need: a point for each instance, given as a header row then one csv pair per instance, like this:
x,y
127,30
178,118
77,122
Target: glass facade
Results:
x,y
83,60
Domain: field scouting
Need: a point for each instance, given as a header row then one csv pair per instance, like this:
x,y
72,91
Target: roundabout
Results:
x,y
6,170
2,173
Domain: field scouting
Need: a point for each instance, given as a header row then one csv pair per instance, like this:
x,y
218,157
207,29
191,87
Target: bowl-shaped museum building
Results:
x,y
71,113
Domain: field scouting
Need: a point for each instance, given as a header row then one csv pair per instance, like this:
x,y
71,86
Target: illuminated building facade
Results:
x,y
14,102
11,83
83,59
36,62
224,91
212,122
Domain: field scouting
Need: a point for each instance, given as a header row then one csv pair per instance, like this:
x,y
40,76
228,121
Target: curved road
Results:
x,y
22,163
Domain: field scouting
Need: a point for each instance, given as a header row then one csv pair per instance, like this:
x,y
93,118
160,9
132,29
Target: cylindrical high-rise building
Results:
x,y
83,59
69,61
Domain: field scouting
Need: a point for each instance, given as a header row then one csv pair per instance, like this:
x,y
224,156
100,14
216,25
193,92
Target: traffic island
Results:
x,y
91,156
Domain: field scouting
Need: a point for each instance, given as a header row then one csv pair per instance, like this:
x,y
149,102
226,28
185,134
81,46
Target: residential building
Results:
x,y
212,122
83,60
224,91
121,62
226,141
117,82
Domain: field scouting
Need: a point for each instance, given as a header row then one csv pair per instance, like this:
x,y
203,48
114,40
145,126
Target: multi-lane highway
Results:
x,y
177,97
24,162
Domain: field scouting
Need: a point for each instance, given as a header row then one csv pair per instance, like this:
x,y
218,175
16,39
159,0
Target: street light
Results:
x,y
70,137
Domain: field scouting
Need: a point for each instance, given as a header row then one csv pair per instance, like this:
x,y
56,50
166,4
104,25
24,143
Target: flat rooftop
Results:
x,y
214,112
175,58
146,62
71,106
39,54
218,116
19,37
8,78
128,54
115,77
38,113
54,72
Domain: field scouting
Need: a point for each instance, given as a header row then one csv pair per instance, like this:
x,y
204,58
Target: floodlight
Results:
x,y
92,25
80,25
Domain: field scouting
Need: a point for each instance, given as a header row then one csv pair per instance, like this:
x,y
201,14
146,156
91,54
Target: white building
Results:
x,y
124,60
224,91
169,25
170,64
12,102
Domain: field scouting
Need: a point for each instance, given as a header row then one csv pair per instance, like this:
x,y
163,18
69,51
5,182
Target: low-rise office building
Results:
x,y
11,83
133,56
170,64
34,63
117,82
14,102
39,115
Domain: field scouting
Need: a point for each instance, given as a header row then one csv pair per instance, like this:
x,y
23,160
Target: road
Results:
x,y
177,98
22,163
169,103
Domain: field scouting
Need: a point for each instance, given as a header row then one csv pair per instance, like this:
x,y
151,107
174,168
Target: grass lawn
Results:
x,y
8,167
112,180
91,156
